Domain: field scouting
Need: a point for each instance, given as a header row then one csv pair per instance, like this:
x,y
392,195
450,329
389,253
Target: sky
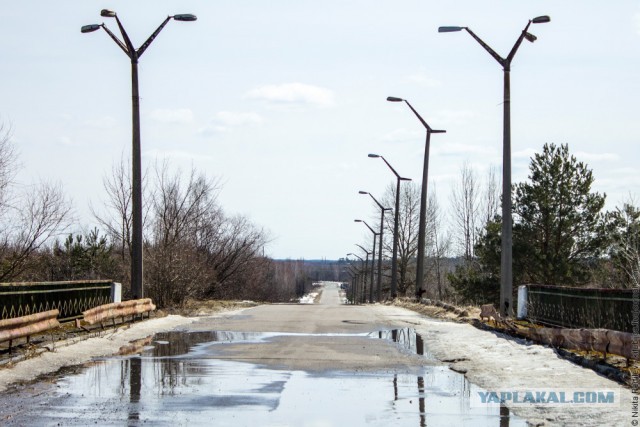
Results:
x,y
283,100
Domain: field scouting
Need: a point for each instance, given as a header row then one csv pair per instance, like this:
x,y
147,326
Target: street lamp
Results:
x,y
366,263
382,210
352,275
373,256
353,293
422,224
136,187
394,258
506,274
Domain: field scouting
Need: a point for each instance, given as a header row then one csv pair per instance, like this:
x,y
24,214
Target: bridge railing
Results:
x,y
591,308
69,298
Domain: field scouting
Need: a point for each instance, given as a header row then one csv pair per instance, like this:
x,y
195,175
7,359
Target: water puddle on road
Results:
x,y
176,380
407,340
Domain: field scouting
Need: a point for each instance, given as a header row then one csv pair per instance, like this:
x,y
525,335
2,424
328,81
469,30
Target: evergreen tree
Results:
x,y
559,231
557,219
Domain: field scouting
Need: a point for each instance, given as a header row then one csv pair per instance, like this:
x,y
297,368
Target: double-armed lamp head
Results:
x,y
527,35
108,13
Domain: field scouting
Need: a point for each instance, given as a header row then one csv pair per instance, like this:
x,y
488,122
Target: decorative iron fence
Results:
x,y
580,307
70,298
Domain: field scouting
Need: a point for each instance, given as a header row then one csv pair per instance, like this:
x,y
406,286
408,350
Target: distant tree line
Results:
x,y
192,247
561,233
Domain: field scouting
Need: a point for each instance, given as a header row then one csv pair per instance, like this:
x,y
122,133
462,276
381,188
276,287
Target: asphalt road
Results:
x,y
315,337
325,364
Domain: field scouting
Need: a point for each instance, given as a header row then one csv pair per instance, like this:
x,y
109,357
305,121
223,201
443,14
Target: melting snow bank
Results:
x,y
499,363
309,298
80,350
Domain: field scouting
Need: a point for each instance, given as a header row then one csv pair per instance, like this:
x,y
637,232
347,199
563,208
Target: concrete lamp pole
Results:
x,y
422,224
136,187
506,262
353,277
373,256
382,210
364,276
361,262
396,222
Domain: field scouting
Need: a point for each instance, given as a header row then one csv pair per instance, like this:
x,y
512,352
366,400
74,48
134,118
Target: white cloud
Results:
x,y
104,122
229,118
210,130
174,154
175,116
584,156
527,153
403,135
224,121
65,140
454,149
452,117
424,80
293,93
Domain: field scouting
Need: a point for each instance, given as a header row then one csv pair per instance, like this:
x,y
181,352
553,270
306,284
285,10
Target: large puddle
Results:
x,y
176,380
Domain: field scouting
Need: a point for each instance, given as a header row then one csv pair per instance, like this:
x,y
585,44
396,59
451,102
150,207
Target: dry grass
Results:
x,y
196,308
439,312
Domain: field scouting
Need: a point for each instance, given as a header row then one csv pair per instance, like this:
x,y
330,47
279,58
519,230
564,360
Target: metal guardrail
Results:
x,y
25,326
590,308
69,298
119,309
602,340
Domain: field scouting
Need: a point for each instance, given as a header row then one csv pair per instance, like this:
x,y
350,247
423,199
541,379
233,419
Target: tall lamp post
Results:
x,y
506,262
422,224
373,256
364,277
353,278
382,210
136,188
361,262
396,221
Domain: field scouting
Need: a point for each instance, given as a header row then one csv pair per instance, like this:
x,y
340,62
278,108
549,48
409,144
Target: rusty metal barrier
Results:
x,y
70,298
118,309
25,326
591,308
602,340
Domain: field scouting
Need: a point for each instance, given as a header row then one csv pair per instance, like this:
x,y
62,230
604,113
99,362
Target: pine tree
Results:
x,y
557,219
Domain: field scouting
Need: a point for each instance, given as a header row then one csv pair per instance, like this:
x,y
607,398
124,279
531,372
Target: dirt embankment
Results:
x,y
612,366
470,313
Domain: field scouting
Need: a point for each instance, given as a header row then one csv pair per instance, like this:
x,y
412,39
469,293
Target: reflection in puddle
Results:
x,y
167,344
407,340
177,382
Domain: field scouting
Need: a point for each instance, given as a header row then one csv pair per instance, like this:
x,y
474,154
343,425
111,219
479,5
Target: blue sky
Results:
x,y
283,100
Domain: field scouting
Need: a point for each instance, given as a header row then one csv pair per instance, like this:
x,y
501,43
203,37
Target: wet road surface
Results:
x,y
277,365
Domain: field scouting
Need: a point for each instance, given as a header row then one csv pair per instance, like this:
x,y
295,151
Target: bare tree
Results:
x,y
438,246
491,197
236,242
29,216
181,210
407,231
465,207
117,219
8,165
624,252
40,215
